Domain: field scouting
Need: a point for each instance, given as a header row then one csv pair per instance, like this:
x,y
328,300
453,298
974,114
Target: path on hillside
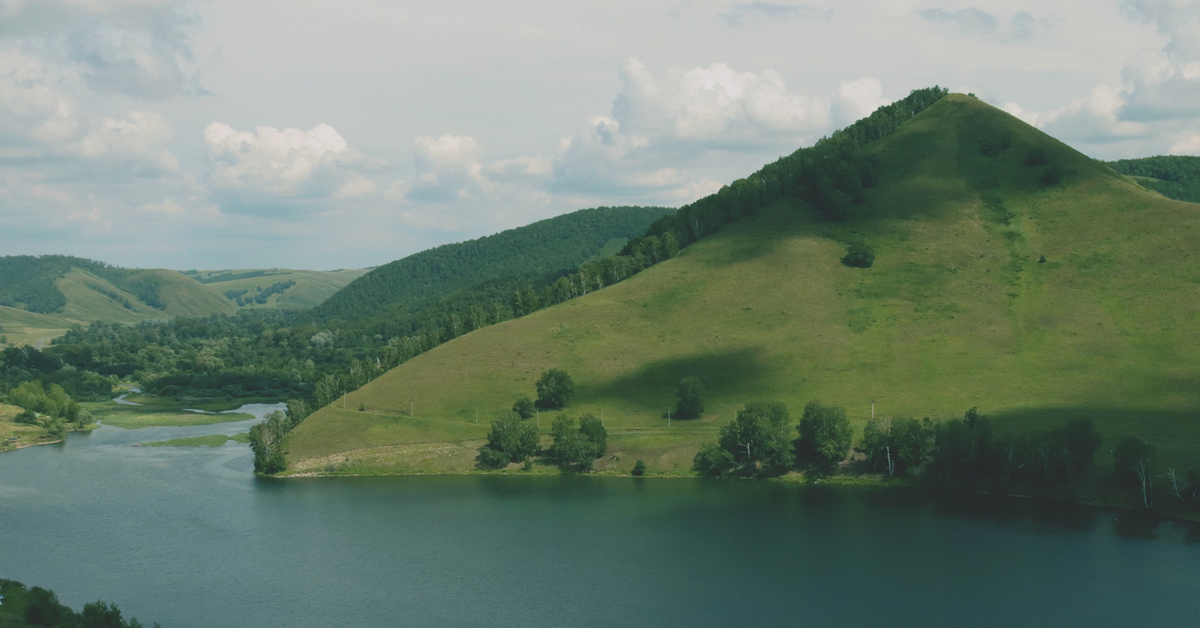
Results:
x,y
38,345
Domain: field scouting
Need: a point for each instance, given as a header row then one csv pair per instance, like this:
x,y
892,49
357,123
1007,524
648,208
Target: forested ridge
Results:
x,y
535,254
1174,176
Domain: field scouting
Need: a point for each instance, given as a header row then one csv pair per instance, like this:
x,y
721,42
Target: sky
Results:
x,y
213,134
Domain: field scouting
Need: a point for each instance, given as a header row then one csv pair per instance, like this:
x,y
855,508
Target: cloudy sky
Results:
x,y
320,134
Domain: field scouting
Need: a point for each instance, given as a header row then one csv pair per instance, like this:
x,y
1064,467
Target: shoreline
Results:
x,y
89,428
28,445
842,481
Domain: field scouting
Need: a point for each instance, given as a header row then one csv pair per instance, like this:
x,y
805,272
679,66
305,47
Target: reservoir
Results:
x,y
188,537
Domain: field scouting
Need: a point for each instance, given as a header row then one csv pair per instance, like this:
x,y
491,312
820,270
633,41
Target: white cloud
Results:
x,y
262,167
520,168
857,99
447,168
740,14
1165,84
32,113
659,124
714,107
139,48
1094,118
40,127
1189,145
1157,87
397,190
979,24
356,186
167,207
602,160
135,142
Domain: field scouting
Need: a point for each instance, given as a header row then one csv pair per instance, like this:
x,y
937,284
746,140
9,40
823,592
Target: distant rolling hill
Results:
x,y
41,297
1012,273
277,288
1173,176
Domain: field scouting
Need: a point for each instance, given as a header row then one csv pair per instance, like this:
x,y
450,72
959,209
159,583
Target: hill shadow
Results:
x,y
722,372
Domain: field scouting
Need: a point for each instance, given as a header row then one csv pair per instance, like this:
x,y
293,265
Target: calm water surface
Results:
x,y
188,537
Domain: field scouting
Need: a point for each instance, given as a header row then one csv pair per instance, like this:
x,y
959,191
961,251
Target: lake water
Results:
x,y
190,538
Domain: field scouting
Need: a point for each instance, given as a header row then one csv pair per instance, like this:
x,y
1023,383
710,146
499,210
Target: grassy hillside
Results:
x,y
87,291
308,288
1173,176
1013,273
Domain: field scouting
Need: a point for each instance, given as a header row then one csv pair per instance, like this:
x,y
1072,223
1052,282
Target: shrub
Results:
x,y
524,407
712,461
859,254
489,458
639,468
28,417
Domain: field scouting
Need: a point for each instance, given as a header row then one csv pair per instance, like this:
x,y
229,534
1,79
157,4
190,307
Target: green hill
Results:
x,y
41,297
410,293
277,288
1012,273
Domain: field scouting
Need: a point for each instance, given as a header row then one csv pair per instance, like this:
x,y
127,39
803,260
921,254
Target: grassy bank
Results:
x,y
159,412
17,435
211,440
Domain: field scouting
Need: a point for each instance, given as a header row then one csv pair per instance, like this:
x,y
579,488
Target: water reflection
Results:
x,y
189,537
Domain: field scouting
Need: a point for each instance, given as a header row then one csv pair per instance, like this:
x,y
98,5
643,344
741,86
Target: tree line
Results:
x,y
534,254
964,453
1174,176
35,606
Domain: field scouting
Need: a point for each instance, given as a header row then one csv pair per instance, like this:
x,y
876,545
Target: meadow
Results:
x,y
312,287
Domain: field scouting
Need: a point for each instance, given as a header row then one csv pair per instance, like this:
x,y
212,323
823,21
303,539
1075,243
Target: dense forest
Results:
x,y
965,453
1174,176
536,254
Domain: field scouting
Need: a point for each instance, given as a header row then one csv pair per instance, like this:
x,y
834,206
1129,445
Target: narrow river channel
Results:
x,y
188,537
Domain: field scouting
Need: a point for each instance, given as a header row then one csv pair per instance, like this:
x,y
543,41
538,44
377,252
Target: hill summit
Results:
x,y
1011,273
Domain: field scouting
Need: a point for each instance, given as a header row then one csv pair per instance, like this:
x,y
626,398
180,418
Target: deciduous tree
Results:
x,y
691,401
757,440
554,389
824,439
